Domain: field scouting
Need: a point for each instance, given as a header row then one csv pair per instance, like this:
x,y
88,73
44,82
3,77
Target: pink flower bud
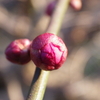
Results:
x,y
76,4
18,51
50,8
48,51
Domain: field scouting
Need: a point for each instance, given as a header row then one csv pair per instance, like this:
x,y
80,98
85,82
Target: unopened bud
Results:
x,y
50,8
18,51
48,51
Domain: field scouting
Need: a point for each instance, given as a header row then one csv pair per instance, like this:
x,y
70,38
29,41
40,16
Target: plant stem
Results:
x,y
38,85
57,17
39,81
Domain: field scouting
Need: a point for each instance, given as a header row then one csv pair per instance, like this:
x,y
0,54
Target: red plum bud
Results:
x,y
18,51
48,51
50,8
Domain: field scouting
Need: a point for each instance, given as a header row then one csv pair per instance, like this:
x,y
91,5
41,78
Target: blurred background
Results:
x,y
79,77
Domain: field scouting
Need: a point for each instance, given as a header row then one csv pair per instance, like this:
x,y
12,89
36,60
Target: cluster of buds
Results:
x,y
47,51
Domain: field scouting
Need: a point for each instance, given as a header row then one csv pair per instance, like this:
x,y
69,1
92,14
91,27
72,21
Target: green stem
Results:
x,y
39,85
57,17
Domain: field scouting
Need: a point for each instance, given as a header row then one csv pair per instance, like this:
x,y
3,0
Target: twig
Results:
x,y
38,86
57,17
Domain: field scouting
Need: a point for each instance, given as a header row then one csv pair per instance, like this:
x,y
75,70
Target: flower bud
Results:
x,y
48,51
18,51
76,4
50,8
